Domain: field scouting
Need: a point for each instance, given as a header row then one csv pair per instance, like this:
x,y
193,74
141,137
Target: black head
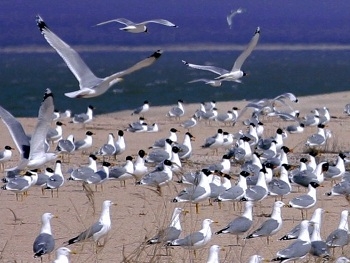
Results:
x,y
325,167
321,126
58,161
106,164
169,141
89,133
93,156
58,123
50,170
244,173
8,147
142,153
286,166
145,102
91,107
279,131
128,158
175,149
167,162
226,157
244,73
173,130
285,149
120,133
220,131
314,184
303,160
342,155
207,172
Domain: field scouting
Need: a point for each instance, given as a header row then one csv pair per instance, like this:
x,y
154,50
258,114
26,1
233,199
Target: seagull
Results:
x,y
98,230
100,176
241,224
82,173
62,254
107,149
340,236
43,178
197,239
32,150
315,219
122,173
233,14
5,155
177,111
137,27
90,85
212,82
160,143
319,247
140,169
170,233
186,146
56,180
214,142
119,144
236,73
53,135
158,178
271,226
84,117
196,193
298,249
19,184
44,243
213,254
305,201
85,143
190,123
66,146
237,191
142,109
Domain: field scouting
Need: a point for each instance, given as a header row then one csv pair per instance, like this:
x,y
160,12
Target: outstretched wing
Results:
x,y
243,56
74,62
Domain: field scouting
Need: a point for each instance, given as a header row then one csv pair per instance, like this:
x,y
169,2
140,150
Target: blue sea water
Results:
x,y
25,76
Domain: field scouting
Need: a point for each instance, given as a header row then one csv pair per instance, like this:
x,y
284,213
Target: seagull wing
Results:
x,y
243,56
160,21
37,142
17,133
139,65
118,20
216,70
74,62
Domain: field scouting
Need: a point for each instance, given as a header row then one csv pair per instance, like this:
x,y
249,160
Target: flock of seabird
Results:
x,y
265,168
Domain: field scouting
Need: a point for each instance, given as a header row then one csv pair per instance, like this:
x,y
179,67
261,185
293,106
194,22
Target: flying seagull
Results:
x,y
137,27
90,85
32,150
236,73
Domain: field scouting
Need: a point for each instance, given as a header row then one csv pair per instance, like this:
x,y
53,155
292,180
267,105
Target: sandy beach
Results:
x,y
140,212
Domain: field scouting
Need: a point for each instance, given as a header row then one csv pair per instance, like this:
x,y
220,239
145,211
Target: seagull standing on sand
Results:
x,y
241,224
44,243
137,27
90,85
84,117
142,109
177,111
98,230
299,248
85,143
197,239
340,236
236,73
272,225
170,233
5,155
